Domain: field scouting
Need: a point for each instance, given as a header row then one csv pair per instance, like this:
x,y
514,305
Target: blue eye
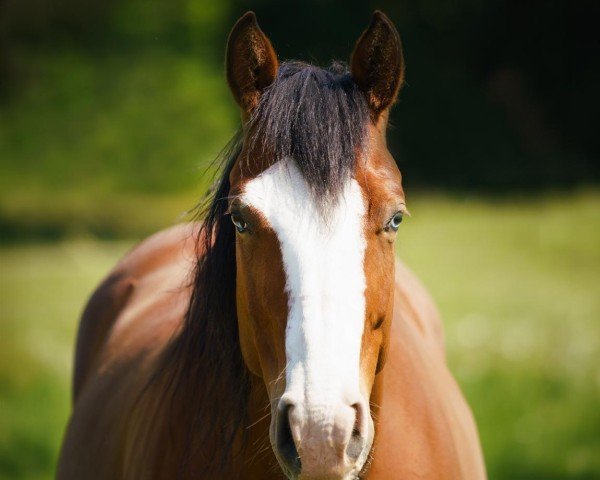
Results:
x,y
240,225
394,222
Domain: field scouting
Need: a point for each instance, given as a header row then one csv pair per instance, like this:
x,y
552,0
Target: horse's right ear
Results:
x,y
251,62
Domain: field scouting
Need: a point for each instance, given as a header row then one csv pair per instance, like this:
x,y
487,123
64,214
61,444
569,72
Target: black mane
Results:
x,y
315,116
318,118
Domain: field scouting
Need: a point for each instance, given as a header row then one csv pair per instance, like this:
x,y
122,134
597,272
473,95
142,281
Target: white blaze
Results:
x,y
325,282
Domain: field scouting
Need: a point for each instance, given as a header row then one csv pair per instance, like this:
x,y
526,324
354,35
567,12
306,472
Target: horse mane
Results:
x,y
317,117
207,382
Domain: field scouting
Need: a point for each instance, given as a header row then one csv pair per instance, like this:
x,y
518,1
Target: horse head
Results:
x,y
315,199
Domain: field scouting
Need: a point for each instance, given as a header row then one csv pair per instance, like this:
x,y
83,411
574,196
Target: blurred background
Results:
x,y
112,110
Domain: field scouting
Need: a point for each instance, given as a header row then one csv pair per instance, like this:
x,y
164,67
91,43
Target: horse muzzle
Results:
x,y
321,441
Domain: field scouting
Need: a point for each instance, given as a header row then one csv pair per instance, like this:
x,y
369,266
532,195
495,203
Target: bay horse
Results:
x,y
279,337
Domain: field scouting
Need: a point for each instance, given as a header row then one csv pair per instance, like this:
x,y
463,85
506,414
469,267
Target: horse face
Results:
x,y
315,286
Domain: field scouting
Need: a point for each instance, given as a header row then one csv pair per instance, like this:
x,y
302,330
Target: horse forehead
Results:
x,y
285,199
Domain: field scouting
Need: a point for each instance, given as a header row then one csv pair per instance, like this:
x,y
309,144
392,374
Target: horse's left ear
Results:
x,y
377,63
251,62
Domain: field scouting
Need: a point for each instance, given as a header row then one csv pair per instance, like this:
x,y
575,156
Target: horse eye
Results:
x,y
394,222
240,225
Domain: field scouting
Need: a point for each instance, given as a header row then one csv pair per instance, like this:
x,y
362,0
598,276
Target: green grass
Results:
x,y
42,291
516,281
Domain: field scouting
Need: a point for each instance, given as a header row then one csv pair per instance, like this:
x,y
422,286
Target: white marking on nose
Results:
x,y
325,281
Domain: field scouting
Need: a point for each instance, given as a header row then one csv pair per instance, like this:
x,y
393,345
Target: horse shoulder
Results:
x,y
116,293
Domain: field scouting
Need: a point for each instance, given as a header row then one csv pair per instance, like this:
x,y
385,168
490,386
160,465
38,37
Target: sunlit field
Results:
x,y
517,282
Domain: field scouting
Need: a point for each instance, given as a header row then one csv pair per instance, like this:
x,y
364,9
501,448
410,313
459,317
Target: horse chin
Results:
x,y
355,474
350,476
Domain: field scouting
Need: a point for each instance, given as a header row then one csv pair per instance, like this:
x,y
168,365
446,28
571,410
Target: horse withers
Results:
x,y
279,337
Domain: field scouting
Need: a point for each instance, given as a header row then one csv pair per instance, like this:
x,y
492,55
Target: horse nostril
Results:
x,y
285,441
357,439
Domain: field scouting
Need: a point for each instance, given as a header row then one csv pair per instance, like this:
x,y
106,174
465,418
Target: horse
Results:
x,y
279,337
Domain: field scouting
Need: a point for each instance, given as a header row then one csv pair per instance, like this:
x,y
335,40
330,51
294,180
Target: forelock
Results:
x,y
317,118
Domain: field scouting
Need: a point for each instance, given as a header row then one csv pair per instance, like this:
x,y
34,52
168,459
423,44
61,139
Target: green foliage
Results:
x,y
516,282
130,94
114,123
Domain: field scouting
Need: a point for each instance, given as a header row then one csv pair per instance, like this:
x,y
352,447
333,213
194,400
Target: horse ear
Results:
x,y
377,63
251,62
